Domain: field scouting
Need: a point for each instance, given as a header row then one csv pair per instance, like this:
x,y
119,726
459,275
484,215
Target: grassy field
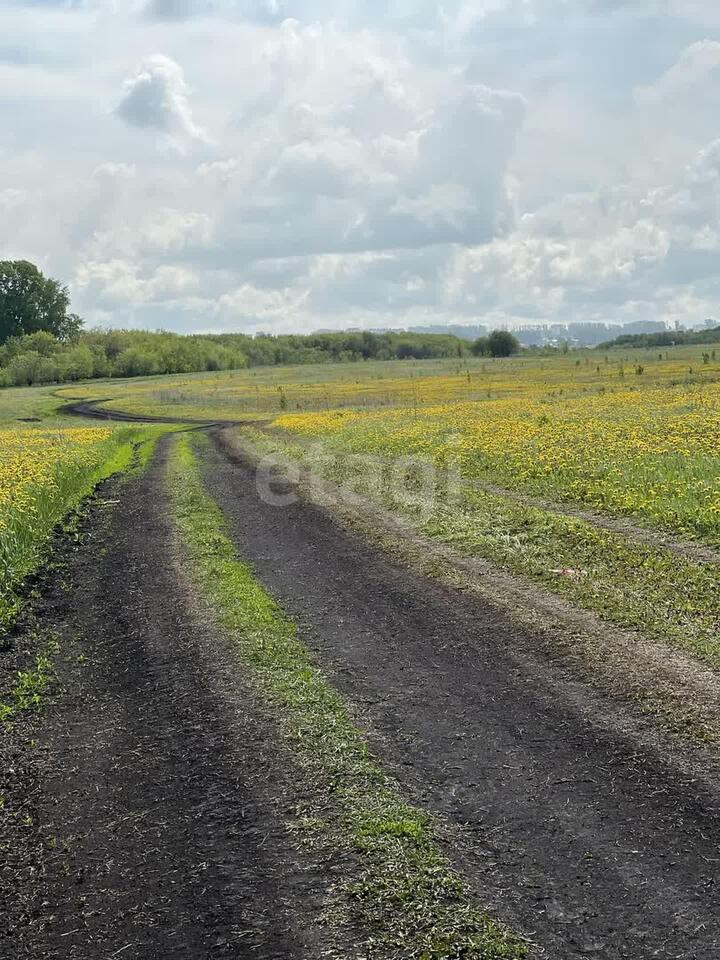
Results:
x,y
634,433
547,452
21,407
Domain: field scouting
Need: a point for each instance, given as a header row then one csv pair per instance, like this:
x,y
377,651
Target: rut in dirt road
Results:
x,y
160,772
93,410
589,843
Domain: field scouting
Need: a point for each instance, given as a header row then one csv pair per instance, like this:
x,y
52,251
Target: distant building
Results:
x,y
464,331
583,334
577,334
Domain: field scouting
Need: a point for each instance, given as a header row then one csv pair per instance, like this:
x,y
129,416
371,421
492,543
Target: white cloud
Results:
x,y
156,98
263,10
606,255
694,67
119,282
369,164
12,199
251,301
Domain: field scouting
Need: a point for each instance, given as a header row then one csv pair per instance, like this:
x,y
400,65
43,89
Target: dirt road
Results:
x,y
159,788
168,778
585,840
93,410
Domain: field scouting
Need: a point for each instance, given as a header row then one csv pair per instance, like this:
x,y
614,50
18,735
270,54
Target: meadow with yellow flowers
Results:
x,y
44,474
650,453
568,506
549,453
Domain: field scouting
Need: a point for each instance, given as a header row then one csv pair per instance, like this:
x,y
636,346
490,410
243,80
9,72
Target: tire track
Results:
x,y
588,841
160,793
690,549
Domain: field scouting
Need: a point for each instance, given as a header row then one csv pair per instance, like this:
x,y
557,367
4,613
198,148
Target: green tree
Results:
x,y
501,343
25,369
42,342
77,363
481,347
136,362
30,302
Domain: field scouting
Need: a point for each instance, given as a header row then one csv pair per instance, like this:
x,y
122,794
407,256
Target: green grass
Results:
x,y
25,533
585,428
399,886
18,405
35,403
29,686
257,391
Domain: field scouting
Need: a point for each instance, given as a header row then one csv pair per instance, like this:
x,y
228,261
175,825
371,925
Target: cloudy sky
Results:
x,y
293,164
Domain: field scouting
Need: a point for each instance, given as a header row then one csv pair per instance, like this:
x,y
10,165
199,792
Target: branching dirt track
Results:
x,y
92,410
162,767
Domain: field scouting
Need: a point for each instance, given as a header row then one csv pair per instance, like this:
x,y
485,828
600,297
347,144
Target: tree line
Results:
x,y
42,342
41,358
665,338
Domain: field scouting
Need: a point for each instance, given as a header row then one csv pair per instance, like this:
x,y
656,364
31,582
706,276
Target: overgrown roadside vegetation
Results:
x,y
46,481
44,476
399,887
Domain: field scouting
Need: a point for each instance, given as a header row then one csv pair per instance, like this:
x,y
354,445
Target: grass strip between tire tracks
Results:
x,y
400,887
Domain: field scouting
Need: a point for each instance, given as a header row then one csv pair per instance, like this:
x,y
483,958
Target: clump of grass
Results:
x,y
27,692
400,886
